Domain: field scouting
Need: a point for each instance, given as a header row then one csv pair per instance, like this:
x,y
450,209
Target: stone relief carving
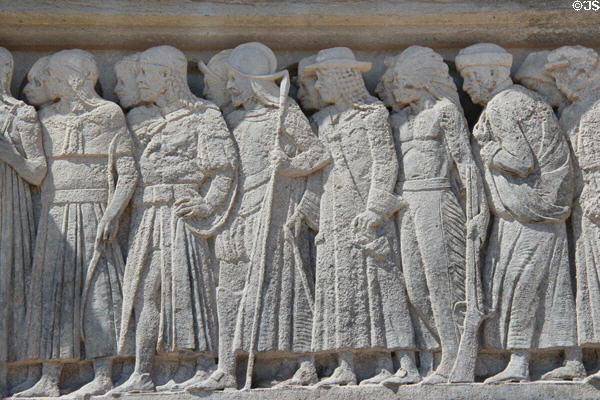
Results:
x,y
436,249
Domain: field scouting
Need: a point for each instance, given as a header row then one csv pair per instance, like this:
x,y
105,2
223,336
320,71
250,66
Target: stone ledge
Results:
x,y
521,391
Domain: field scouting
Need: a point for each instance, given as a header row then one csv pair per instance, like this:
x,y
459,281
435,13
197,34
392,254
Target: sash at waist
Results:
x,y
163,194
68,196
417,185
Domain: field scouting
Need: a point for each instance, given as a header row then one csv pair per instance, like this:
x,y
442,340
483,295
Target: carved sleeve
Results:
x,y
384,167
217,159
512,153
32,167
312,154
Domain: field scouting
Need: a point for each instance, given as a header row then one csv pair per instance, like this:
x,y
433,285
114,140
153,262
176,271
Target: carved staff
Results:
x,y
266,209
464,365
100,244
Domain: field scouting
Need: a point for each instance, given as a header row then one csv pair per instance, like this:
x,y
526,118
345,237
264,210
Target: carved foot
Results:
x,y
593,380
219,380
306,375
377,379
26,384
508,375
195,380
137,383
401,377
45,387
341,376
434,379
169,386
97,387
571,371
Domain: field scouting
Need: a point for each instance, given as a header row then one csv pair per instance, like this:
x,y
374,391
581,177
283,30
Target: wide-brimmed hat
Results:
x,y
563,56
336,57
486,54
217,65
254,60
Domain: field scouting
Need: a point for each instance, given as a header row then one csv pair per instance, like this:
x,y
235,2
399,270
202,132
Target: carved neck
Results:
x,y
168,102
500,87
425,102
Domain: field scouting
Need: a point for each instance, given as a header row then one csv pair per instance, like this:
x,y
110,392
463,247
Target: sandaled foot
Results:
x,y
45,387
304,376
377,379
218,380
571,371
97,387
401,377
169,386
340,377
137,383
508,375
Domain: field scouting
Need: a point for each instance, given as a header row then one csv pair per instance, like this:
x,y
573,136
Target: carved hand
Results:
x,y
190,208
293,226
591,209
364,222
476,228
108,227
278,159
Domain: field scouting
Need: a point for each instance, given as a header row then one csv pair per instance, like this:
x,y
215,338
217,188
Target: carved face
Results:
x,y
327,88
239,87
308,94
215,90
481,80
384,88
126,88
151,81
405,91
574,79
37,78
547,90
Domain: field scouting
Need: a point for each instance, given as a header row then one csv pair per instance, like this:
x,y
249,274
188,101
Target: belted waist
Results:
x,y
162,194
68,196
423,184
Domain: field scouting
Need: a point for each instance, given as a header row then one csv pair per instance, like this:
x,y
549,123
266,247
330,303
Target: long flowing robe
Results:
x,y
360,298
582,123
17,227
529,178
74,198
276,279
176,249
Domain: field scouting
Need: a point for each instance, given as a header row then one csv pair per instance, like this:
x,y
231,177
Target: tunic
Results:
x,y
199,145
582,124
74,196
529,178
17,227
265,203
360,299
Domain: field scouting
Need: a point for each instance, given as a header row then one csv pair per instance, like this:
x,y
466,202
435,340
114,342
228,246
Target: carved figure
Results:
x,y
170,276
576,70
77,268
529,180
433,148
22,163
215,81
360,301
264,295
533,76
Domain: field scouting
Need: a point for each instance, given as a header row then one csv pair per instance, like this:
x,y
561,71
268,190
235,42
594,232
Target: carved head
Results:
x,y
6,71
215,79
307,92
72,72
36,89
126,70
385,84
533,76
252,72
576,71
421,72
162,68
485,67
339,76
